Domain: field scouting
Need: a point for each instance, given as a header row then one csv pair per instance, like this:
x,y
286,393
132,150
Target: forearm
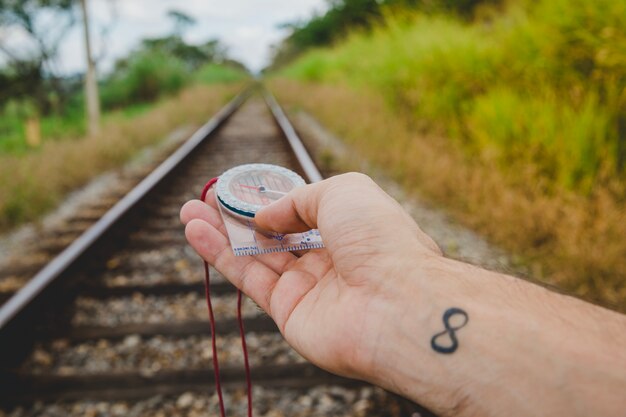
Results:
x,y
523,349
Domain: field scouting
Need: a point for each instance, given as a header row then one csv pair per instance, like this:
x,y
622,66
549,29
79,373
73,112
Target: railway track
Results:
x,y
116,324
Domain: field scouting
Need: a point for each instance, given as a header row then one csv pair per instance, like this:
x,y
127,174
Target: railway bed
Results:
x,y
116,324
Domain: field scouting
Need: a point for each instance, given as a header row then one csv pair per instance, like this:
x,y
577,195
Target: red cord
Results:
x,y
216,367
244,348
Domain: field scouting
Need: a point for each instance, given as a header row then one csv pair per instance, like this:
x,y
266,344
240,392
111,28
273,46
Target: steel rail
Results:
x,y
17,318
302,155
61,263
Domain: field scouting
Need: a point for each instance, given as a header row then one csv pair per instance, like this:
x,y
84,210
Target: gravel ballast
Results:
x,y
140,308
322,401
178,264
154,354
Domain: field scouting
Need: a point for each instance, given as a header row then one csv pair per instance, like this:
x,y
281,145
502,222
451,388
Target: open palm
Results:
x,y
330,304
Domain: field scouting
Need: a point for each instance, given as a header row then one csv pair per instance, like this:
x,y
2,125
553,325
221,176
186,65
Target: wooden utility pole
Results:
x,y
91,80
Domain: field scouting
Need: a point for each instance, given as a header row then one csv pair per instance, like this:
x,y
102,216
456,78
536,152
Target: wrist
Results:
x,y
460,382
499,342
522,349
404,361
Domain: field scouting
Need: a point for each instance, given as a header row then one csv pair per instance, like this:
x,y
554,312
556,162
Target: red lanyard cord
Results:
x,y
216,368
244,348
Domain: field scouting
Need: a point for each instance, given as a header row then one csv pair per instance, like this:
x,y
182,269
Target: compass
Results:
x,y
245,189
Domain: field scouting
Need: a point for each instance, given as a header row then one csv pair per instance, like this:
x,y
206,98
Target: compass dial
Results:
x,y
245,189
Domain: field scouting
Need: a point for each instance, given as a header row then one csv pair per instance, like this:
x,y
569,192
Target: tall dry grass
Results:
x,y
36,182
575,242
538,82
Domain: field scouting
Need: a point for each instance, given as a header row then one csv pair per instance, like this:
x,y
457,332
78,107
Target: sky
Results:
x,y
246,27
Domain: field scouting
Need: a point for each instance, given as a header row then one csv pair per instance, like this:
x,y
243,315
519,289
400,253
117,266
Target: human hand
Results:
x,y
369,304
332,304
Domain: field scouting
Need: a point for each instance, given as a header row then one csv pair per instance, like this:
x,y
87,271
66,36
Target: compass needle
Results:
x,y
265,190
249,187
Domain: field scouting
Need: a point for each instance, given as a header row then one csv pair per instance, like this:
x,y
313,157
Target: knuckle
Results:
x,y
358,177
351,179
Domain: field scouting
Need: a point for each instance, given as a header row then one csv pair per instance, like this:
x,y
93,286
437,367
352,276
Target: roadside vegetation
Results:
x,y
45,151
511,115
120,98
38,181
158,68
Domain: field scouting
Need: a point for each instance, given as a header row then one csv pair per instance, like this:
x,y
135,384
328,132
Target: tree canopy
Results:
x,y
32,71
345,15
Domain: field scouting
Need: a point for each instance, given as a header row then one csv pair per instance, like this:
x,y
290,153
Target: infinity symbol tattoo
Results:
x,y
450,331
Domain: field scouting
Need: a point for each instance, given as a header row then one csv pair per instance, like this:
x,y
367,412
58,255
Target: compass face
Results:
x,y
245,189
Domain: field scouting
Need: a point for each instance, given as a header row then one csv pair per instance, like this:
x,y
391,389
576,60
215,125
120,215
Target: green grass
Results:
x,y
145,77
541,84
120,100
57,128
13,136
38,180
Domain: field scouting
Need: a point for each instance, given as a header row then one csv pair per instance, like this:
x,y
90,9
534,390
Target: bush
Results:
x,y
567,146
143,78
39,180
542,84
13,119
218,73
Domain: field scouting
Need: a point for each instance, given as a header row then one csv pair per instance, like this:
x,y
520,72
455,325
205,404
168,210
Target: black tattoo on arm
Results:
x,y
450,332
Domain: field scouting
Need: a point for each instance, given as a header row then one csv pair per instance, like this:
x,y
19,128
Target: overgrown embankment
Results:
x,y
517,123
37,181
144,79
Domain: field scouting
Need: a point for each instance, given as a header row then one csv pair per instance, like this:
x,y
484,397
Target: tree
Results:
x,y
182,21
345,15
323,29
91,79
192,55
32,70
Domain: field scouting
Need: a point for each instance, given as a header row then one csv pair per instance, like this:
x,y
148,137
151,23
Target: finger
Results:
x,y
317,262
196,209
210,198
193,209
296,282
287,294
278,262
295,212
248,274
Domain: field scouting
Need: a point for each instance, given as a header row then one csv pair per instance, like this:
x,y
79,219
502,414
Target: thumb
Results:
x,y
295,212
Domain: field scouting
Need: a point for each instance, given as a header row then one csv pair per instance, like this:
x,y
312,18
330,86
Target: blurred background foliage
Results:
x,y
509,113
45,151
346,16
525,82
31,86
